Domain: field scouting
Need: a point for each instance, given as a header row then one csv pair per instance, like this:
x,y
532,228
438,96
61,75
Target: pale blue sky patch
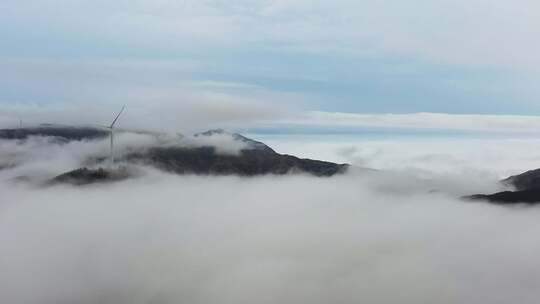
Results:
x,y
387,56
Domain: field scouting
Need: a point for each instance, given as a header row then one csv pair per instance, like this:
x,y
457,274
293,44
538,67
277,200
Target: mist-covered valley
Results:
x,y
392,229
269,152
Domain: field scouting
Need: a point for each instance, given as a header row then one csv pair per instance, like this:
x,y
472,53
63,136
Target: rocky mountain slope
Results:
x,y
205,157
527,190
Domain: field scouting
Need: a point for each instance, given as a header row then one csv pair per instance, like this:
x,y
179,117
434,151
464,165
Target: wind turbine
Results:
x,y
111,128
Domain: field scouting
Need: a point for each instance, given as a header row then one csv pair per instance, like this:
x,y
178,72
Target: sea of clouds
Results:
x,y
396,235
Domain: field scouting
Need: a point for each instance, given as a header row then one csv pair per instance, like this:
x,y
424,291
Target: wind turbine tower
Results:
x,y
111,129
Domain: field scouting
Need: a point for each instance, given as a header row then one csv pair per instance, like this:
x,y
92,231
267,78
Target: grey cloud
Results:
x,y
291,239
459,32
184,112
352,238
417,121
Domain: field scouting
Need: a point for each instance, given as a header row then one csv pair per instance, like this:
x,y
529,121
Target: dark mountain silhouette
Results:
x,y
65,133
253,144
255,158
527,190
84,176
524,181
205,160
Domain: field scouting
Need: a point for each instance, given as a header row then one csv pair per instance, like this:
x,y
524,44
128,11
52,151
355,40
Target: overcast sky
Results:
x,y
387,56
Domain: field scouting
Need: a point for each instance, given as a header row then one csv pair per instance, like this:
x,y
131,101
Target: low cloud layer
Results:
x,y
377,237
413,121
187,113
174,239
40,158
198,111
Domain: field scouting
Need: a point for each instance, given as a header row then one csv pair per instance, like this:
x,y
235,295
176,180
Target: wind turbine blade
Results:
x,y
116,118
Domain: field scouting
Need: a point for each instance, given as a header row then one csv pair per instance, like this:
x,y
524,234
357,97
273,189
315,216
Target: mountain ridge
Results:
x,y
525,190
252,158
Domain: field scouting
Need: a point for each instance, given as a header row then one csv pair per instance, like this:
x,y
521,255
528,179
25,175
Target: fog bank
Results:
x,y
168,239
367,236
